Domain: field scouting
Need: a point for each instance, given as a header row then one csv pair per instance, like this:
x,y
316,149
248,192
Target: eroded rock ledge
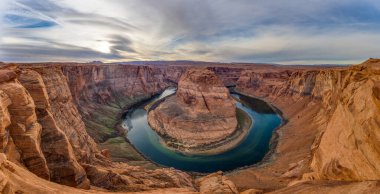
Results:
x,y
201,113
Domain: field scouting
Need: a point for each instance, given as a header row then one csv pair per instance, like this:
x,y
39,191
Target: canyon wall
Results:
x,y
347,146
32,133
53,115
101,92
201,113
42,130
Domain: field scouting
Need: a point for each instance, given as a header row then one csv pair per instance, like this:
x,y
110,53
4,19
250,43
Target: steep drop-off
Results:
x,y
48,137
336,109
102,92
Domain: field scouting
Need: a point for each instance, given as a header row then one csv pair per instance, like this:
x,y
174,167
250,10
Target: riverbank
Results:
x,y
250,151
276,132
245,122
119,147
289,154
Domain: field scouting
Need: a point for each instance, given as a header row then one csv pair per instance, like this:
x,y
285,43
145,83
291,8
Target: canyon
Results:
x,y
201,113
60,129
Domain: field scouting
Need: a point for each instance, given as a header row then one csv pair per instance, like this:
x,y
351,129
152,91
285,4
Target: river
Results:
x,y
250,151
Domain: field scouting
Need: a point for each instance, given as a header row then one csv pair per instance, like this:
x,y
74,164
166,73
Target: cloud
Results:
x,y
298,31
23,53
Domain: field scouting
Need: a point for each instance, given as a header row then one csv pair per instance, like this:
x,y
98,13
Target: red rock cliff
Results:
x,y
202,112
345,147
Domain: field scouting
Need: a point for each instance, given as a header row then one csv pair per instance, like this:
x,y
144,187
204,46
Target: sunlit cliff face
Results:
x,y
299,31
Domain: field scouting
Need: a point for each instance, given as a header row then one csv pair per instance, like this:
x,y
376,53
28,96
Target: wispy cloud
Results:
x,y
298,31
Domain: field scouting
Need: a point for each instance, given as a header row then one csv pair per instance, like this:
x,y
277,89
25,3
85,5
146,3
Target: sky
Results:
x,y
261,31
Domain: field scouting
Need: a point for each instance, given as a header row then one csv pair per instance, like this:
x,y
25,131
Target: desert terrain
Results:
x,y
60,133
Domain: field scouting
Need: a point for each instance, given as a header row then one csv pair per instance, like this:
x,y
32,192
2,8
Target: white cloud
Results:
x,y
306,31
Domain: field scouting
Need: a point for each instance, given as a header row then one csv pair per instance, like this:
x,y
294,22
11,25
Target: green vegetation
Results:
x,y
122,151
103,118
102,124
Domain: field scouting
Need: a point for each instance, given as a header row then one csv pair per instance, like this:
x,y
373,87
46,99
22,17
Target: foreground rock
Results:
x,y
332,133
24,129
201,113
42,133
354,122
216,183
59,154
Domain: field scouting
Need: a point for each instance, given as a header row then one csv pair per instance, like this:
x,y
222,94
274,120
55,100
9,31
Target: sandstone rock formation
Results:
x,y
103,91
5,119
66,114
216,183
123,177
47,110
63,166
345,145
61,114
16,179
348,149
24,129
201,113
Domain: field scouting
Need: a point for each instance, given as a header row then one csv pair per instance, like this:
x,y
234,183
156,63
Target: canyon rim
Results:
x,y
189,97
43,104
202,111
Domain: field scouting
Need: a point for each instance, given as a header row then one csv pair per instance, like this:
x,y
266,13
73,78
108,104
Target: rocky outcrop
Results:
x,y
294,83
346,147
102,92
16,179
5,119
201,113
66,115
216,183
24,129
228,74
71,154
132,178
62,163
331,187
205,92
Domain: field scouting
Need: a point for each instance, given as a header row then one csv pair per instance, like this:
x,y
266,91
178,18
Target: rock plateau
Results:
x,y
202,112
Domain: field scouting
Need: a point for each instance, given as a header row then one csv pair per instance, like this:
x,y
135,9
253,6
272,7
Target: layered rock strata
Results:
x,y
348,147
338,108
24,128
66,114
54,143
216,183
345,123
59,154
201,113
62,113
102,92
